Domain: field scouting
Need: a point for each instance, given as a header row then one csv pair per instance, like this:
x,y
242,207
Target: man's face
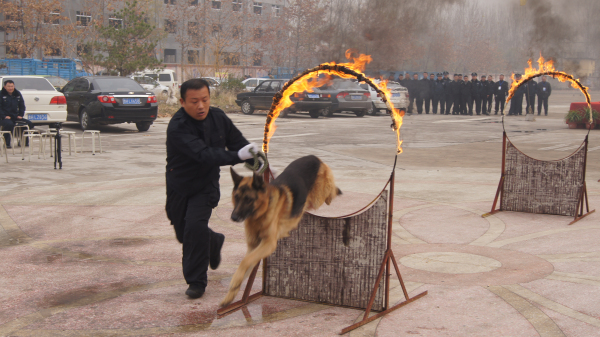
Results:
x,y
10,87
501,77
459,77
466,77
482,78
445,76
543,78
431,77
425,76
416,77
440,78
401,77
490,78
196,103
456,77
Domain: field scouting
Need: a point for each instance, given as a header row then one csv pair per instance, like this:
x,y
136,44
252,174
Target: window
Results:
x,y
170,26
83,18
263,86
236,5
170,56
231,59
115,84
115,22
258,8
169,2
216,29
236,32
276,10
53,51
193,29
258,32
16,17
216,4
194,3
257,60
29,83
193,56
83,49
166,77
53,17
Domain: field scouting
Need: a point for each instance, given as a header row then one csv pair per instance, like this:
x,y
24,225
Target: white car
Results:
x,y
43,104
151,84
399,97
253,82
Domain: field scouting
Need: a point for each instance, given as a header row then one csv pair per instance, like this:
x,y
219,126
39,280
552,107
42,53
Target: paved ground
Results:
x,y
88,251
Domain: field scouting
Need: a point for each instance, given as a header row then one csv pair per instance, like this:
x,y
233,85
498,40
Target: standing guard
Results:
x,y
438,95
476,92
467,96
500,93
448,92
544,90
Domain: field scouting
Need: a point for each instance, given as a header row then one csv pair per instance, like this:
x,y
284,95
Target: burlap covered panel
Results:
x,y
334,261
543,187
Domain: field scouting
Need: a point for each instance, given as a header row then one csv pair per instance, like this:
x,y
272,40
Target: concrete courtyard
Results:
x,y
88,250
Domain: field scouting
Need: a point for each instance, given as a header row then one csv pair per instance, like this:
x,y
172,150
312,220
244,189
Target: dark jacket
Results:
x,y
456,87
11,105
438,89
425,88
531,88
197,149
501,89
544,93
476,89
447,87
487,88
467,89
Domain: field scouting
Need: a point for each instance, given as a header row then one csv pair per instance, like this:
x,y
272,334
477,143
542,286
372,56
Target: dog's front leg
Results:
x,y
264,249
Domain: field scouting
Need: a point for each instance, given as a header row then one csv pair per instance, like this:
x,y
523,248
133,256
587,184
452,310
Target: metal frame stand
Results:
x,y
58,147
583,196
388,259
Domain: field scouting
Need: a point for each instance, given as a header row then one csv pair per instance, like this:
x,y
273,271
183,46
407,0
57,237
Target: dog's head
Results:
x,y
248,195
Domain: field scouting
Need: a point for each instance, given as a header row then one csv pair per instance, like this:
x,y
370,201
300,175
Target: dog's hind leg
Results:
x,y
264,249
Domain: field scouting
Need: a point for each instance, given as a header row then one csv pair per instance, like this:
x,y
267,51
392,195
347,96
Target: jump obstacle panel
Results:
x,y
331,260
544,187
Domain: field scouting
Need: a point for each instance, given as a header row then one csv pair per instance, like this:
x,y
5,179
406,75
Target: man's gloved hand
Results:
x,y
244,153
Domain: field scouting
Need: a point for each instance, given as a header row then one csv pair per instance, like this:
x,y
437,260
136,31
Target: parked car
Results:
x,y
166,77
148,83
253,82
338,95
260,98
109,100
399,97
43,104
57,82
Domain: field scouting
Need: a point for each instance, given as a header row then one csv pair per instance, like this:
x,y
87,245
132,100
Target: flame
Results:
x,y
310,79
547,68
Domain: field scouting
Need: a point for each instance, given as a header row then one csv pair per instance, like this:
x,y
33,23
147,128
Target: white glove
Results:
x,y
244,153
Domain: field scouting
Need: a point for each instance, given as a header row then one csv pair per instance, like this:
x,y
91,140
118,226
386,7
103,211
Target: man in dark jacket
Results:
x,y
448,92
516,103
438,95
485,87
500,93
530,93
457,94
490,93
413,91
467,96
476,92
424,94
544,90
12,109
200,139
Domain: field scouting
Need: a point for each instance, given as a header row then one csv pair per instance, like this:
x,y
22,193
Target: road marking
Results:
x,y
288,136
461,120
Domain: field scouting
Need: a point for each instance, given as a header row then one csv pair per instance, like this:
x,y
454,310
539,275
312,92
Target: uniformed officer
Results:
x,y
490,94
516,103
544,90
413,92
484,94
500,93
448,92
457,94
12,109
530,93
425,94
438,95
476,92
401,79
200,139
467,96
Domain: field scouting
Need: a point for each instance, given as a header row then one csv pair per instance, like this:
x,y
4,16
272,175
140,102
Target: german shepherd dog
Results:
x,y
272,210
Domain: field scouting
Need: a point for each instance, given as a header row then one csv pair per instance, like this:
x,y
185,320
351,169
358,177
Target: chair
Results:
x,y
2,133
17,135
92,133
29,136
71,135
49,135
3,147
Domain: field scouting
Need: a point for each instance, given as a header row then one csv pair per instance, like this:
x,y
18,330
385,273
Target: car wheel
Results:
x,y
84,120
327,112
361,113
247,109
314,113
143,126
372,110
165,94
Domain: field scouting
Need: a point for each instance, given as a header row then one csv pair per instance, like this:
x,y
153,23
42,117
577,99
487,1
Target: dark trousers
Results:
x,y
9,125
435,101
427,101
467,108
516,106
530,103
457,110
419,105
411,104
449,102
543,101
196,237
477,101
499,101
490,100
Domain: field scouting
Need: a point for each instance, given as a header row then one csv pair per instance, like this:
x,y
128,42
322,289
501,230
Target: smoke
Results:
x,y
550,33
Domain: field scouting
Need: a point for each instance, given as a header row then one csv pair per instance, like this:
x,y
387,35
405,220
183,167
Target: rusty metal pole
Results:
x,y
389,234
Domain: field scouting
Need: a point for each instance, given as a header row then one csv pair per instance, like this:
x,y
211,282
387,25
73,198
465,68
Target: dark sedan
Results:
x,y
104,100
338,95
261,98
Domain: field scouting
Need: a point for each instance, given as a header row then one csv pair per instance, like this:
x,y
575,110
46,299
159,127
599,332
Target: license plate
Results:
x,y
37,117
131,101
313,95
356,97
396,94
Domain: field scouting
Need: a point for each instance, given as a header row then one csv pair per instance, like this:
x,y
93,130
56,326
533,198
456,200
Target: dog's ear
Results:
x,y
236,177
258,183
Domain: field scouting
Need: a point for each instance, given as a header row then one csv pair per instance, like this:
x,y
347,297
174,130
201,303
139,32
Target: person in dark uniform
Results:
x,y
516,103
431,84
401,79
500,93
200,139
448,93
438,95
544,90
530,93
12,109
485,87
467,96
490,94
413,92
476,92
457,94
425,94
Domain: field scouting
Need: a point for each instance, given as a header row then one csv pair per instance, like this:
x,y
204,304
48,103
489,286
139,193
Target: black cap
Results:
x,y
439,74
446,73
474,74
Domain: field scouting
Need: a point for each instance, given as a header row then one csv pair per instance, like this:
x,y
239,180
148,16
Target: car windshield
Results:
x,y
57,81
342,84
117,84
30,83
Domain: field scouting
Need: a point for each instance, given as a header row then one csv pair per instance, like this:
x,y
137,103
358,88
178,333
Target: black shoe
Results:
x,y
216,243
8,146
194,291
